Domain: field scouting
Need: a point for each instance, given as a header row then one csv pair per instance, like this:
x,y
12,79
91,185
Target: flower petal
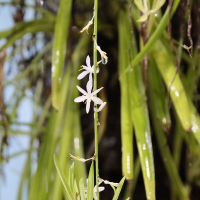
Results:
x,y
89,85
97,100
99,62
101,189
101,107
81,90
82,75
88,61
90,77
96,91
85,67
80,99
88,106
95,196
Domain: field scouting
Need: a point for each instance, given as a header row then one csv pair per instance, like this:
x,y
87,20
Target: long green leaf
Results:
x,y
90,186
59,48
46,27
157,87
183,105
155,36
166,155
82,189
63,178
118,190
126,121
71,177
21,26
56,127
76,192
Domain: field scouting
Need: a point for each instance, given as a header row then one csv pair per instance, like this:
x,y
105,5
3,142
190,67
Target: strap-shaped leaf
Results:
x,y
59,48
118,190
90,186
63,178
76,192
82,189
71,177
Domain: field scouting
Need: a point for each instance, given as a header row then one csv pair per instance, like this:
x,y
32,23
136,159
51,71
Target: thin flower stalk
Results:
x,y
95,88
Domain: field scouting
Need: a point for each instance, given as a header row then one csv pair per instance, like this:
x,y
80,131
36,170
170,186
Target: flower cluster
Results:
x,y
89,95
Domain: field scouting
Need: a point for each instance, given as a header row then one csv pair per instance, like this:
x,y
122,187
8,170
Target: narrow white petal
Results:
x,y
99,62
88,106
95,196
89,85
80,99
81,90
101,107
96,91
97,100
82,75
101,189
90,77
88,61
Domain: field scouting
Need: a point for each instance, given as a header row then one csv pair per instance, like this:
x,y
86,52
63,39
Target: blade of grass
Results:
x,y
119,188
167,69
54,129
72,123
46,27
82,189
165,153
59,48
66,134
126,122
157,87
71,177
77,57
139,114
130,188
63,178
90,186
77,194
183,105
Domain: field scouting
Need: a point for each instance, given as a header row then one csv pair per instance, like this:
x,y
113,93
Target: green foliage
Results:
x,y
159,94
68,187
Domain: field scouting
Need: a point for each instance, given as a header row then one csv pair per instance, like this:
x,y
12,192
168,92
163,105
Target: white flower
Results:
x,y
104,58
88,69
95,190
88,96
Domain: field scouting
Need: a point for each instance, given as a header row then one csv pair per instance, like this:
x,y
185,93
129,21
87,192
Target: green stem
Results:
x,y
94,88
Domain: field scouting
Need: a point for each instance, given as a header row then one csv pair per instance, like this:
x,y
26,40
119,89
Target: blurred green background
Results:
x,y
150,128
